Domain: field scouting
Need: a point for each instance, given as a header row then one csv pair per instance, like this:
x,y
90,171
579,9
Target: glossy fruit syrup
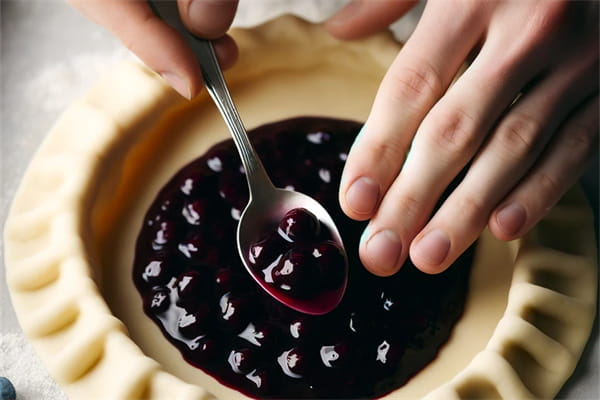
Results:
x,y
195,288
298,257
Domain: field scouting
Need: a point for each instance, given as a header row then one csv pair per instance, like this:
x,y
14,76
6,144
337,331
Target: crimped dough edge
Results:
x,y
53,280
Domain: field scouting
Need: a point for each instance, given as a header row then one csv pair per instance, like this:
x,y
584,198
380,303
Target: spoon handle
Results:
x,y
217,88
258,180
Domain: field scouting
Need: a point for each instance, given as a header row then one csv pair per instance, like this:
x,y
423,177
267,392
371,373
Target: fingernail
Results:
x,y
511,218
383,251
345,13
196,13
363,195
177,83
433,247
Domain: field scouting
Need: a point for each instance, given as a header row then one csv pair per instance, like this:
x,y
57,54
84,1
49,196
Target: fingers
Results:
x,y
157,44
562,164
209,19
452,131
360,18
417,78
516,144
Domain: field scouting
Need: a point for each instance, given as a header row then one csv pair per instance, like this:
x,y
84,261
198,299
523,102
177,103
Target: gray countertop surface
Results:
x,y
50,56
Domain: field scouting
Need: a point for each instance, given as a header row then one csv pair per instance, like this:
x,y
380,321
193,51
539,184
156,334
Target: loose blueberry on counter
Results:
x,y
194,287
7,390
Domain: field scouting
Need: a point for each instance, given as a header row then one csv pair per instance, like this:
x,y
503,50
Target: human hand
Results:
x,y
159,45
522,120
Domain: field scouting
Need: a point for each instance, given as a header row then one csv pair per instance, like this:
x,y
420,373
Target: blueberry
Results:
x,y
336,356
261,379
192,248
242,361
302,327
191,286
195,212
194,183
206,350
299,224
219,159
295,362
194,324
296,273
234,189
225,279
157,301
265,251
156,271
331,263
235,311
7,390
260,334
163,234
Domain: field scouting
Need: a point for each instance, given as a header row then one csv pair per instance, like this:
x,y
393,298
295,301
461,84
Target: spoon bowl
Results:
x,y
267,204
267,209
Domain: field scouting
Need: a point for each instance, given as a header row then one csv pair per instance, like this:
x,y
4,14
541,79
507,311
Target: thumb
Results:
x,y
209,19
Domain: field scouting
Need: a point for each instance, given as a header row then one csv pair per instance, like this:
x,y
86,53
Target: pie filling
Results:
x,y
194,287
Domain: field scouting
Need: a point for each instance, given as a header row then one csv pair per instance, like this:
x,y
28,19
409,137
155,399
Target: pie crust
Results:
x,y
70,232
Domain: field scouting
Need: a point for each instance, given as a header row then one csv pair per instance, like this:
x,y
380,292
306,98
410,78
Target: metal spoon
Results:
x,y
267,204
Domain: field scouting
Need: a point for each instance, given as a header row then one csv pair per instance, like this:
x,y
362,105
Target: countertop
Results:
x,y
50,56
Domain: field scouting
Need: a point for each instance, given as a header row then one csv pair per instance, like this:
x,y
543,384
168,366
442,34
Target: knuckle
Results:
x,y
454,131
517,134
548,187
388,153
410,206
472,211
420,85
548,16
581,139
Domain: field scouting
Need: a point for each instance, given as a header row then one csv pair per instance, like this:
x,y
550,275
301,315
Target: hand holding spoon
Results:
x,y
267,204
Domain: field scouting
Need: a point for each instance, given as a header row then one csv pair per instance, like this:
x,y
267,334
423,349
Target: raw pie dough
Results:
x,y
71,231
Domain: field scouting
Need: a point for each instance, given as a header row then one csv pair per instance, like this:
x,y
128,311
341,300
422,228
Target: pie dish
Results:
x,y
70,233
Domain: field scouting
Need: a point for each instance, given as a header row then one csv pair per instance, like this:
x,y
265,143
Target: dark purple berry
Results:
x,y
331,263
319,137
158,300
266,251
156,271
163,235
259,334
194,324
225,279
194,212
299,224
261,379
192,248
336,356
205,350
234,189
296,273
235,311
294,362
219,159
301,327
242,361
191,287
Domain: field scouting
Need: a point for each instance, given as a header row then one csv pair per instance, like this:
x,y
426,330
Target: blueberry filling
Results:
x,y
194,287
299,257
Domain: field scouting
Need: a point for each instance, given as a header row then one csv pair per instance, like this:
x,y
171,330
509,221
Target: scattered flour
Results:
x,y
59,84
21,365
